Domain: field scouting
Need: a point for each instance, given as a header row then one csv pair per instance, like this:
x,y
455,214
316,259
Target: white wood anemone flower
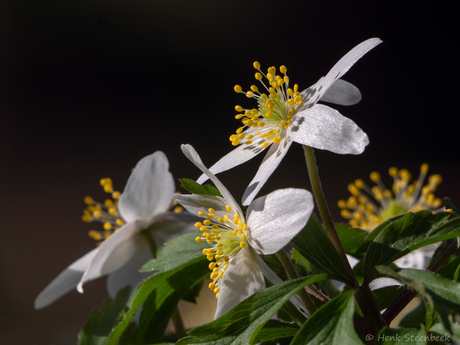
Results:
x,y
270,224
143,205
286,115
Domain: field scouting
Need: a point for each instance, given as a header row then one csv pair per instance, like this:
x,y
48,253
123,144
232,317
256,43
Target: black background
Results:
x,y
87,88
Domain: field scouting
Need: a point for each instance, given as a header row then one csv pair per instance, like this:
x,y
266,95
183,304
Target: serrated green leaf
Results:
x,y
330,324
176,252
313,244
163,291
196,188
101,320
402,336
353,240
412,231
242,324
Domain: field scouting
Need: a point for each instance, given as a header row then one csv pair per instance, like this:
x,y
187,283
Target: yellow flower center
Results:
x,y
367,207
267,124
229,237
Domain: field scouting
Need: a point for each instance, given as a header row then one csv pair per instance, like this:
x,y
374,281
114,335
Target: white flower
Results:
x,y
287,115
143,205
270,224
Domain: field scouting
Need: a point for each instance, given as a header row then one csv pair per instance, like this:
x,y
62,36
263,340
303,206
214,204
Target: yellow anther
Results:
x,y
116,195
242,244
237,89
254,88
258,76
228,208
393,172
256,65
236,142
113,211
268,113
424,168
108,188
198,225
119,221
108,203
217,296
272,70
345,214
342,203
405,174
207,222
353,190
265,144
212,265
239,108
201,213
283,69
95,235
198,239
435,179
107,226
88,200
97,214
375,176
359,184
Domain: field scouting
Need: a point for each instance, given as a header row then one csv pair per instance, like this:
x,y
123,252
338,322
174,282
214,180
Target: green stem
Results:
x,y
293,274
373,318
324,209
175,317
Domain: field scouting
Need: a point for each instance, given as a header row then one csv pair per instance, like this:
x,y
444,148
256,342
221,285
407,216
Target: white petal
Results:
x,y
342,93
274,279
343,65
241,279
65,282
166,230
238,156
149,189
273,220
195,203
191,154
325,128
271,161
113,253
129,273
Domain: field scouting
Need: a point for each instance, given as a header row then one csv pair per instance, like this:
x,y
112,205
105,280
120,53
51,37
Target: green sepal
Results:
x,y
196,188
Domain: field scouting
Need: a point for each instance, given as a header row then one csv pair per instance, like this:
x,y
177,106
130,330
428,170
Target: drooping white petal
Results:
x,y
325,128
129,273
191,154
149,189
241,279
273,220
65,282
344,64
238,156
195,203
112,254
271,161
274,279
342,92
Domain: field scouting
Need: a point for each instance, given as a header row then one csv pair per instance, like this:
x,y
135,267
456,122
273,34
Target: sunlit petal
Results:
x,y
342,92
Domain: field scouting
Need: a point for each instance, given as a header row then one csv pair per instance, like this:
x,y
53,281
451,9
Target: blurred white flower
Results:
x,y
142,206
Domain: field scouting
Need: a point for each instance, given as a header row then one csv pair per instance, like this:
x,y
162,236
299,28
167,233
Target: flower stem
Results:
x,y
175,317
324,209
293,274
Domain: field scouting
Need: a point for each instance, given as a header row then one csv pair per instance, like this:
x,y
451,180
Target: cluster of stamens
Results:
x,y
264,125
106,213
368,207
229,237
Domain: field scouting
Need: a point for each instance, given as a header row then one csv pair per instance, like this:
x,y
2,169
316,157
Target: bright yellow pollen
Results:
x,y
238,89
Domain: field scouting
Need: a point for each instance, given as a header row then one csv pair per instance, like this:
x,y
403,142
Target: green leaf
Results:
x,y
161,292
101,320
449,204
196,188
451,269
313,244
242,324
177,252
387,295
412,231
444,335
353,240
402,336
374,233
275,329
414,318
330,324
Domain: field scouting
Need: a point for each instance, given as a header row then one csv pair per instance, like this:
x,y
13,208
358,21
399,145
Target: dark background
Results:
x,y
87,88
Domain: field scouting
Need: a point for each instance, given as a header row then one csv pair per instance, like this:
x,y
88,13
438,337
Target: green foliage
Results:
x,y
242,324
353,240
101,320
401,336
196,188
313,244
331,324
449,204
177,252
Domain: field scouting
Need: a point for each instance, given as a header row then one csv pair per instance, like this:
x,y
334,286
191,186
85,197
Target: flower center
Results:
x,y
106,213
267,124
368,207
229,237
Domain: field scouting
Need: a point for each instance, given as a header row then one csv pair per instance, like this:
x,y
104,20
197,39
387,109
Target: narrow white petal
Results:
x,y
65,282
344,64
238,156
241,279
271,161
191,154
274,279
273,220
112,254
195,203
342,92
325,128
129,273
149,189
